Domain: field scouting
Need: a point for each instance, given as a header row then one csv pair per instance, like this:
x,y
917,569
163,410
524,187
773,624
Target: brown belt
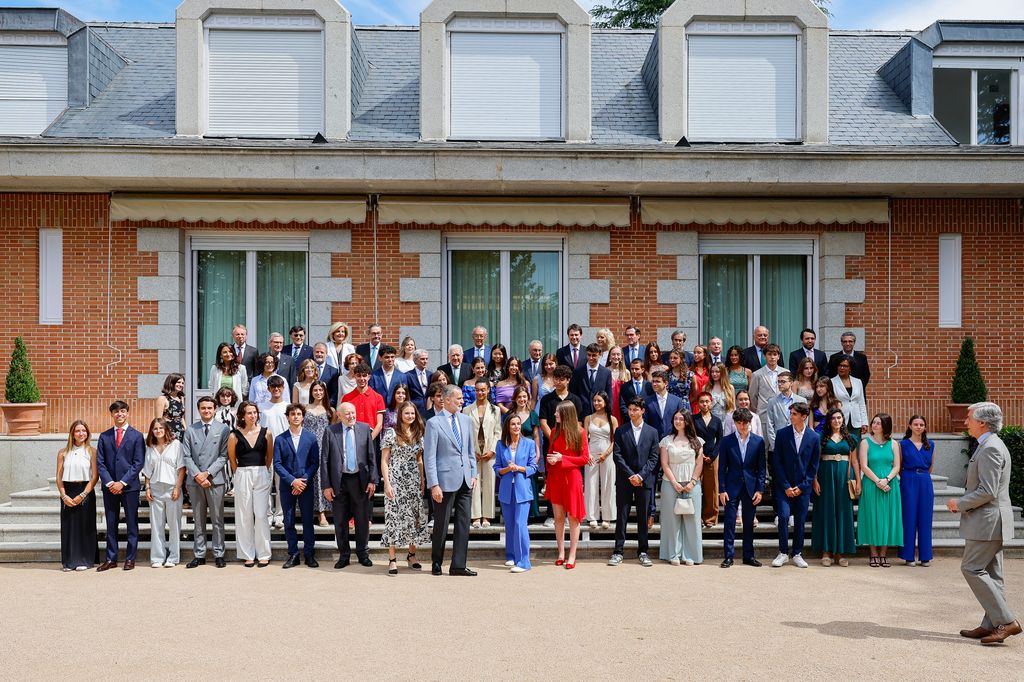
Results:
x,y
834,458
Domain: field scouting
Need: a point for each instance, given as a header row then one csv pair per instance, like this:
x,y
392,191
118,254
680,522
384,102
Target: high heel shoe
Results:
x,y
410,559
559,562
569,565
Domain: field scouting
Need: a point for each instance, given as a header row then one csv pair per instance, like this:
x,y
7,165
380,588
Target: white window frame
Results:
x,y
499,25
1015,65
233,241
51,275
950,280
503,243
754,248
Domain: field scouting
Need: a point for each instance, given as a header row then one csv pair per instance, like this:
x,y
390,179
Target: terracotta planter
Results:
x,y
957,416
23,419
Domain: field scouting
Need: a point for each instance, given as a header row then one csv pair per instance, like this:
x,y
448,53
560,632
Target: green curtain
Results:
x,y
220,303
724,299
784,298
475,295
534,282
280,294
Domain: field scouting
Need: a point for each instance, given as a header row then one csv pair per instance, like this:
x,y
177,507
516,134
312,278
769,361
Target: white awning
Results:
x,y
242,209
769,211
526,212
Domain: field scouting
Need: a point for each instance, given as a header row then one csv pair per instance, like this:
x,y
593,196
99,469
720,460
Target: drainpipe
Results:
x,y
373,226
889,348
110,273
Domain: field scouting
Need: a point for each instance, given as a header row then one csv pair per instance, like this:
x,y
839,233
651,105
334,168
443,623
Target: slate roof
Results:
x,y
138,102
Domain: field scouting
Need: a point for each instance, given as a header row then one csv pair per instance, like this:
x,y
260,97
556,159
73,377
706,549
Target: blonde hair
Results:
x,y
335,327
300,375
569,425
71,437
608,335
727,388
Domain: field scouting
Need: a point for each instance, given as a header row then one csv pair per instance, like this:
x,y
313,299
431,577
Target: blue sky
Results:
x,y
877,14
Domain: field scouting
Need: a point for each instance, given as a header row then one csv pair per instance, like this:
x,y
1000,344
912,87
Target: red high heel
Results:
x,y
570,566
559,562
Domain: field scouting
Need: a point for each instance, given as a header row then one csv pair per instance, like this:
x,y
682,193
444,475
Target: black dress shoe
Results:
x,y
312,562
292,561
219,562
726,563
365,561
462,571
341,563
198,561
751,562
435,569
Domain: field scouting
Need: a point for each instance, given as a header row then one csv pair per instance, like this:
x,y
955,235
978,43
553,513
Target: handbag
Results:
x,y
851,484
683,505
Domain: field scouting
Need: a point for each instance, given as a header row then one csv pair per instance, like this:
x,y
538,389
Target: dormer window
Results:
x,y
978,105
33,81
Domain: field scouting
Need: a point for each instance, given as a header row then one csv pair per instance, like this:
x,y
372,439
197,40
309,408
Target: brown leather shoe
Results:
x,y
976,633
106,566
129,565
1002,632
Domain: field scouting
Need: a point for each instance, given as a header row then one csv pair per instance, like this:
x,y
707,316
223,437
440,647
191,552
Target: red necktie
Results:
x,y
119,438
574,357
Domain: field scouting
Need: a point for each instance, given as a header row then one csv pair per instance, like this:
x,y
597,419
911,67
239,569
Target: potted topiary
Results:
x,y
22,410
968,386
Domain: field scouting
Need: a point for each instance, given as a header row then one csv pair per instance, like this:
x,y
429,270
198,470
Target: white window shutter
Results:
x,y
51,276
742,88
505,86
33,87
265,83
950,279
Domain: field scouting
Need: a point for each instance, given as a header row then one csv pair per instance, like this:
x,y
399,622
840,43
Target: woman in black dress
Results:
x,y
76,478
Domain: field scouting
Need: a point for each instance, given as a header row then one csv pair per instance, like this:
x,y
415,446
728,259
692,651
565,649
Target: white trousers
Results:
x,y
274,510
252,500
483,492
599,489
164,510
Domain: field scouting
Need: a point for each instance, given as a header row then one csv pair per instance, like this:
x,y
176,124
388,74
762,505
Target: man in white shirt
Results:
x,y
275,420
632,350
417,380
807,350
635,453
296,460
533,365
764,383
777,409
386,378
715,351
797,454
479,349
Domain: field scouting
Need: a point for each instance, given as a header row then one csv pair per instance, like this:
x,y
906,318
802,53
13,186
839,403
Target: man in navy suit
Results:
x,y
534,365
662,405
120,454
635,453
386,378
753,357
298,349
245,353
348,477
417,379
571,354
797,454
590,379
371,349
807,350
325,372
741,474
858,360
633,349
479,347
285,365
296,460
637,386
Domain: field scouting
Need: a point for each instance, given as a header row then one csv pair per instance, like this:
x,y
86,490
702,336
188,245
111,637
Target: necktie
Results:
x,y
238,352
350,449
639,387
423,380
534,371
760,357
592,373
373,356
574,357
295,351
119,438
206,429
455,431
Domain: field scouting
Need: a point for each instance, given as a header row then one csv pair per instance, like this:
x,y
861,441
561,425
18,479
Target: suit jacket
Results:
x,y
378,382
985,510
710,433
121,464
286,368
761,391
627,353
514,487
444,462
581,386
470,351
305,353
564,356
796,468
247,358
777,416
291,464
527,365
332,456
207,453
749,359
627,391
490,419
464,373
735,472
329,375
417,393
859,369
820,359
855,409
633,457
364,350
662,423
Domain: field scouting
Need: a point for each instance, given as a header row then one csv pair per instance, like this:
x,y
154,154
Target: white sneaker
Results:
x,y
510,563
799,562
780,561
674,562
688,562
615,560
518,569
549,523
155,565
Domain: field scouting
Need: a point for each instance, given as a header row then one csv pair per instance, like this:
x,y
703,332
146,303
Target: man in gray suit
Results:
x,y
764,384
205,447
986,522
450,467
348,477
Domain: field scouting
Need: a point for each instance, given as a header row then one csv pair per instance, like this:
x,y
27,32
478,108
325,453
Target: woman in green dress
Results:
x,y
832,523
880,515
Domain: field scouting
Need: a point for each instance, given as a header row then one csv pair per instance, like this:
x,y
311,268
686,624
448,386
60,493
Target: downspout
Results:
x,y
889,348
110,274
373,226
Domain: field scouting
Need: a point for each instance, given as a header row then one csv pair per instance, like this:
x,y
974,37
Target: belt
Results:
x,y
834,458
917,470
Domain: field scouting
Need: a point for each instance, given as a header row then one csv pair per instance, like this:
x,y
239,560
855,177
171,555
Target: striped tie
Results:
x,y
455,431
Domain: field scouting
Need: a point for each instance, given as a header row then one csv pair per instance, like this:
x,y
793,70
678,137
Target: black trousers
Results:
x,y
461,500
626,495
352,502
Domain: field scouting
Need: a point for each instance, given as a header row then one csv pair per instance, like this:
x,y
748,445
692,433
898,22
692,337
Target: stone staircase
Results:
x,y
30,531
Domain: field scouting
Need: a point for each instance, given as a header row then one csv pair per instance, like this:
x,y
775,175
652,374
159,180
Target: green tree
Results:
x,y
968,386
645,13
21,385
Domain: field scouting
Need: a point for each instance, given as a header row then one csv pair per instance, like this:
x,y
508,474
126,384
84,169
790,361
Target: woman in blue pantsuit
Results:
x,y
918,460
515,462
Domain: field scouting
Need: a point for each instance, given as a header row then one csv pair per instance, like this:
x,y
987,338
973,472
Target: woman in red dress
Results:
x,y
568,453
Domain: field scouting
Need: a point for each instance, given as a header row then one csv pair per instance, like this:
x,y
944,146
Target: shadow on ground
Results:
x,y
851,629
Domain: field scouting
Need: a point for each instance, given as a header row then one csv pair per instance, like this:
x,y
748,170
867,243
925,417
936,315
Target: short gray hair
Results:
x,y
989,413
320,344
848,334
454,347
275,335
450,390
419,353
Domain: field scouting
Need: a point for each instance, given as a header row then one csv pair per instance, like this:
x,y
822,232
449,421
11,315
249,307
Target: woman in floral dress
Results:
x,y
319,415
405,509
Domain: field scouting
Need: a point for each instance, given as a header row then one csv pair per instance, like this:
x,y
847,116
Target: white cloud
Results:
x,y
917,14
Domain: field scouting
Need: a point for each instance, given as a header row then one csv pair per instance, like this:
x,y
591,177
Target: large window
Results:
x,y
744,284
33,87
978,105
516,294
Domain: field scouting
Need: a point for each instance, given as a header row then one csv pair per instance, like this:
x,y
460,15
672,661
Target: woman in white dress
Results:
x,y
338,347
682,464
164,474
599,474
404,362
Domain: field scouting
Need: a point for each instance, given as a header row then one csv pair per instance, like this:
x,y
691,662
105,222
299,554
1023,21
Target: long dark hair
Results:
x,y
886,425
707,360
827,430
240,414
520,378
506,433
491,367
831,401
414,432
739,357
168,434
924,434
232,364
168,389
325,401
607,408
689,430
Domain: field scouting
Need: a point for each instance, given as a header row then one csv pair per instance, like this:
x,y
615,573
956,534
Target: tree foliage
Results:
x,y
21,385
645,13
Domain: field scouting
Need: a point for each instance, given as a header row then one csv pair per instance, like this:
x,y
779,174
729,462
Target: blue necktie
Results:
x,y
455,431
350,449
639,387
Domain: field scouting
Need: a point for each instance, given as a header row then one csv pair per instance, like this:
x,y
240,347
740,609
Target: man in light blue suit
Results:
x,y
797,455
450,467
296,459
741,474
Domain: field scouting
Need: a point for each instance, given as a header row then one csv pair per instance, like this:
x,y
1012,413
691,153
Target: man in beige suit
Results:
x,y
986,522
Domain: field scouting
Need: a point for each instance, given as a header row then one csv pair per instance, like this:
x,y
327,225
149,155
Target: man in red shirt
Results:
x,y
368,403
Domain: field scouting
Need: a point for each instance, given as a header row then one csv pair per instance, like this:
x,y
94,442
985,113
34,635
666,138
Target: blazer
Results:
x,y
121,464
635,457
378,382
527,365
859,369
820,360
291,464
445,463
854,408
417,392
332,456
514,487
464,373
207,453
469,354
627,356
491,422
332,354
247,358
564,356
710,433
662,423
749,359
581,386
305,353
286,368
777,416
239,381
761,391
735,472
796,468
985,510
329,375
627,391
364,350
